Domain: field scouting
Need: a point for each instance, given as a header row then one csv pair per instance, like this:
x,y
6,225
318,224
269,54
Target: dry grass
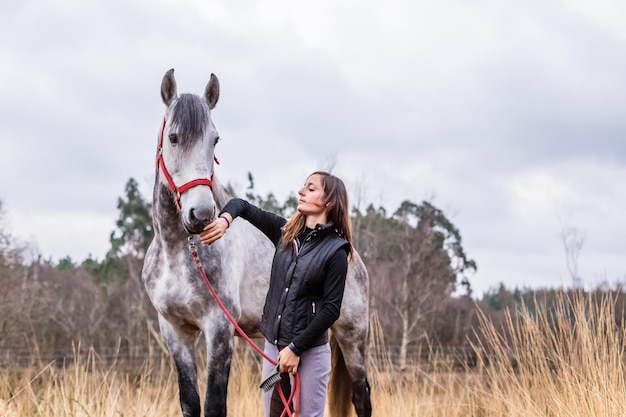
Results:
x,y
567,363
86,388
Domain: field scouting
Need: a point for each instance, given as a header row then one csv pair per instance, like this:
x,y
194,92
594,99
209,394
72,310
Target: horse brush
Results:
x,y
271,381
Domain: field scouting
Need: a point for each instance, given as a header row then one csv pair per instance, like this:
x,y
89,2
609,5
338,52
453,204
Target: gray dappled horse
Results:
x,y
187,197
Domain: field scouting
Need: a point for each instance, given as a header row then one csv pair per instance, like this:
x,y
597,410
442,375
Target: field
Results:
x,y
567,362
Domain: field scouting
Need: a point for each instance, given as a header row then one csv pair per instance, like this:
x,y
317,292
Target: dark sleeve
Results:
x,y
267,222
328,312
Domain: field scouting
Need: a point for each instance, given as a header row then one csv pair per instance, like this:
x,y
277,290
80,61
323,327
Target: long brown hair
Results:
x,y
336,196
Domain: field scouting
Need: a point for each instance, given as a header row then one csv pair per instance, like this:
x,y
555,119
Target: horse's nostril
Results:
x,y
192,215
201,216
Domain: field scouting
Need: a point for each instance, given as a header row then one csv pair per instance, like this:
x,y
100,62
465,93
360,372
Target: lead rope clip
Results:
x,y
194,251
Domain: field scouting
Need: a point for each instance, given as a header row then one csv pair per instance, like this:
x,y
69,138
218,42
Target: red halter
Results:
x,y
178,191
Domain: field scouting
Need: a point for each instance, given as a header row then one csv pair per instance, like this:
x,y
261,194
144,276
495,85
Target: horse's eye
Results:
x,y
217,139
173,138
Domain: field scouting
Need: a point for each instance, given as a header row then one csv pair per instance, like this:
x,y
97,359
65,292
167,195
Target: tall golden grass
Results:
x,y
564,362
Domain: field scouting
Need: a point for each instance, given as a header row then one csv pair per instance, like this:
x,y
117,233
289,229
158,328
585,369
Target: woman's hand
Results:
x,y
215,229
289,361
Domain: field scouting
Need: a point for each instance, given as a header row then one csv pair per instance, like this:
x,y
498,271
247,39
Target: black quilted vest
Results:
x,y
297,281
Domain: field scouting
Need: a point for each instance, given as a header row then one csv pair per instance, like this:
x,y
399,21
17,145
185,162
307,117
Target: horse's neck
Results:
x,y
165,216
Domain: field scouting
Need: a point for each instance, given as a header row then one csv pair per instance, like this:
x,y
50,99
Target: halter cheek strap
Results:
x,y
178,191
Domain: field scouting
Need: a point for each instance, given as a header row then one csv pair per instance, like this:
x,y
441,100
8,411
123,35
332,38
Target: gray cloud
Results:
x,y
508,116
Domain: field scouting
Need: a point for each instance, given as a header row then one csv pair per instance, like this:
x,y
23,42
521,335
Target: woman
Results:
x,y
306,283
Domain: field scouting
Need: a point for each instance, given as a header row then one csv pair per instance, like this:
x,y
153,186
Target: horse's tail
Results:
x,y
340,384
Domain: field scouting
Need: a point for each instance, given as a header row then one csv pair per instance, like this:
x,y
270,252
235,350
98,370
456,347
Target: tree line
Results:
x,y
420,285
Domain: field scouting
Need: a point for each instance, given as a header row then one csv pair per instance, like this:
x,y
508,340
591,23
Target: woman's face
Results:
x,y
311,201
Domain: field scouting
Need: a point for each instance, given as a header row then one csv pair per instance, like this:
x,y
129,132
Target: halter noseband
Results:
x,y
178,191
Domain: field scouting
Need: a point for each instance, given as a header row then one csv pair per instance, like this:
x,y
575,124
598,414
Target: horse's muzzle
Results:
x,y
197,219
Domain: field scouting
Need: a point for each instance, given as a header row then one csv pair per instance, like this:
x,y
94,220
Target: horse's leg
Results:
x,y
349,357
181,345
219,342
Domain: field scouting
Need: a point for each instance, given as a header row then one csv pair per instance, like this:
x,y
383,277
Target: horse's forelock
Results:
x,y
190,116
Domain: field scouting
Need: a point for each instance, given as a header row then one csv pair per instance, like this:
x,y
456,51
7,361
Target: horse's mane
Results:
x,y
221,194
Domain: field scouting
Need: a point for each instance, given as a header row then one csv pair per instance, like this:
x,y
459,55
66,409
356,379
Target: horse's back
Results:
x,y
355,305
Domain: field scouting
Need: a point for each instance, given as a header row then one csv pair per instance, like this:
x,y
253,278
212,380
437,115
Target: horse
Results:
x,y
186,197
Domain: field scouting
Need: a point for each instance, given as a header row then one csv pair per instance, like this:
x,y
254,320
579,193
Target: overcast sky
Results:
x,y
508,115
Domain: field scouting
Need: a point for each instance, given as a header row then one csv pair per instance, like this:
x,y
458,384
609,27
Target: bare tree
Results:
x,y
415,259
573,241
427,277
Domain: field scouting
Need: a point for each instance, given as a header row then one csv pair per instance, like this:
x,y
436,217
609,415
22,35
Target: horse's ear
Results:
x,y
212,91
168,88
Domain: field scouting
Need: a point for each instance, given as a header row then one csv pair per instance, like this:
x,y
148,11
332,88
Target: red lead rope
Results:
x,y
294,392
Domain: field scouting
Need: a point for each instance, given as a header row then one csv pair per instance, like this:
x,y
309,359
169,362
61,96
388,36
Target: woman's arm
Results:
x,y
268,223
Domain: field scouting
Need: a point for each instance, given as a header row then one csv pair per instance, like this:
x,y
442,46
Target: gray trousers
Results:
x,y
314,373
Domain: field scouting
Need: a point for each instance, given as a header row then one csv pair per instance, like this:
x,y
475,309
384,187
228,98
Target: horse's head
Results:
x,y
186,151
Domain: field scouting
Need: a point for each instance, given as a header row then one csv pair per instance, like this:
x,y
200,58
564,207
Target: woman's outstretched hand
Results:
x,y
216,229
